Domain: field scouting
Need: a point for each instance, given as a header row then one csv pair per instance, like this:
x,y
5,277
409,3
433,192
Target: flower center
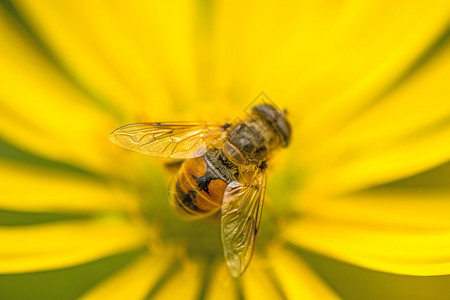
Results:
x,y
201,238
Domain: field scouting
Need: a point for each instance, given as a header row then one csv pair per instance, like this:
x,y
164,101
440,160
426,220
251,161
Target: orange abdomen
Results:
x,y
197,191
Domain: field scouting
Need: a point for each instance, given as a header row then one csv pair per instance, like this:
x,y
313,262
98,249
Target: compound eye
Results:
x,y
285,129
266,111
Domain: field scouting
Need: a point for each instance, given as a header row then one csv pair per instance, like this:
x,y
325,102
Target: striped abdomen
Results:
x,y
199,186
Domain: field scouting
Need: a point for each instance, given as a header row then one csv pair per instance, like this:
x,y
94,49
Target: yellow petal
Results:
x,y
50,55
386,162
359,69
296,278
313,53
43,113
50,191
418,103
59,245
404,133
184,284
169,47
401,250
134,282
413,209
93,46
257,284
221,285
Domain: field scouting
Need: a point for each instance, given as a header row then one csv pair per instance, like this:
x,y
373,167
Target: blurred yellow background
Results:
x,y
357,206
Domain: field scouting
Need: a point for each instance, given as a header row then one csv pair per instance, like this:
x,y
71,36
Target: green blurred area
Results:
x,y
68,283
352,282
437,179
349,281
355,283
19,218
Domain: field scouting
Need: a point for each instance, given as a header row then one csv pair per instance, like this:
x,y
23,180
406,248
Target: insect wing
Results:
x,y
241,215
174,140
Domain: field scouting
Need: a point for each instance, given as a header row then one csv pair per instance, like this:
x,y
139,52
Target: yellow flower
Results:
x,y
365,181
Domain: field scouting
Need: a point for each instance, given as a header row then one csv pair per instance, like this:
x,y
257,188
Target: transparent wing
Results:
x,y
174,140
241,215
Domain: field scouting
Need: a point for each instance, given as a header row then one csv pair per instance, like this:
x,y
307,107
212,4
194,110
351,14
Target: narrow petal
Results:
x,y
405,133
93,45
172,61
56,192
410,32
257,284
386,162
43,113
407,157
221,285
312,59
183,284
417,104
408,251
21,20
134,281
413,209
45,247
296,278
